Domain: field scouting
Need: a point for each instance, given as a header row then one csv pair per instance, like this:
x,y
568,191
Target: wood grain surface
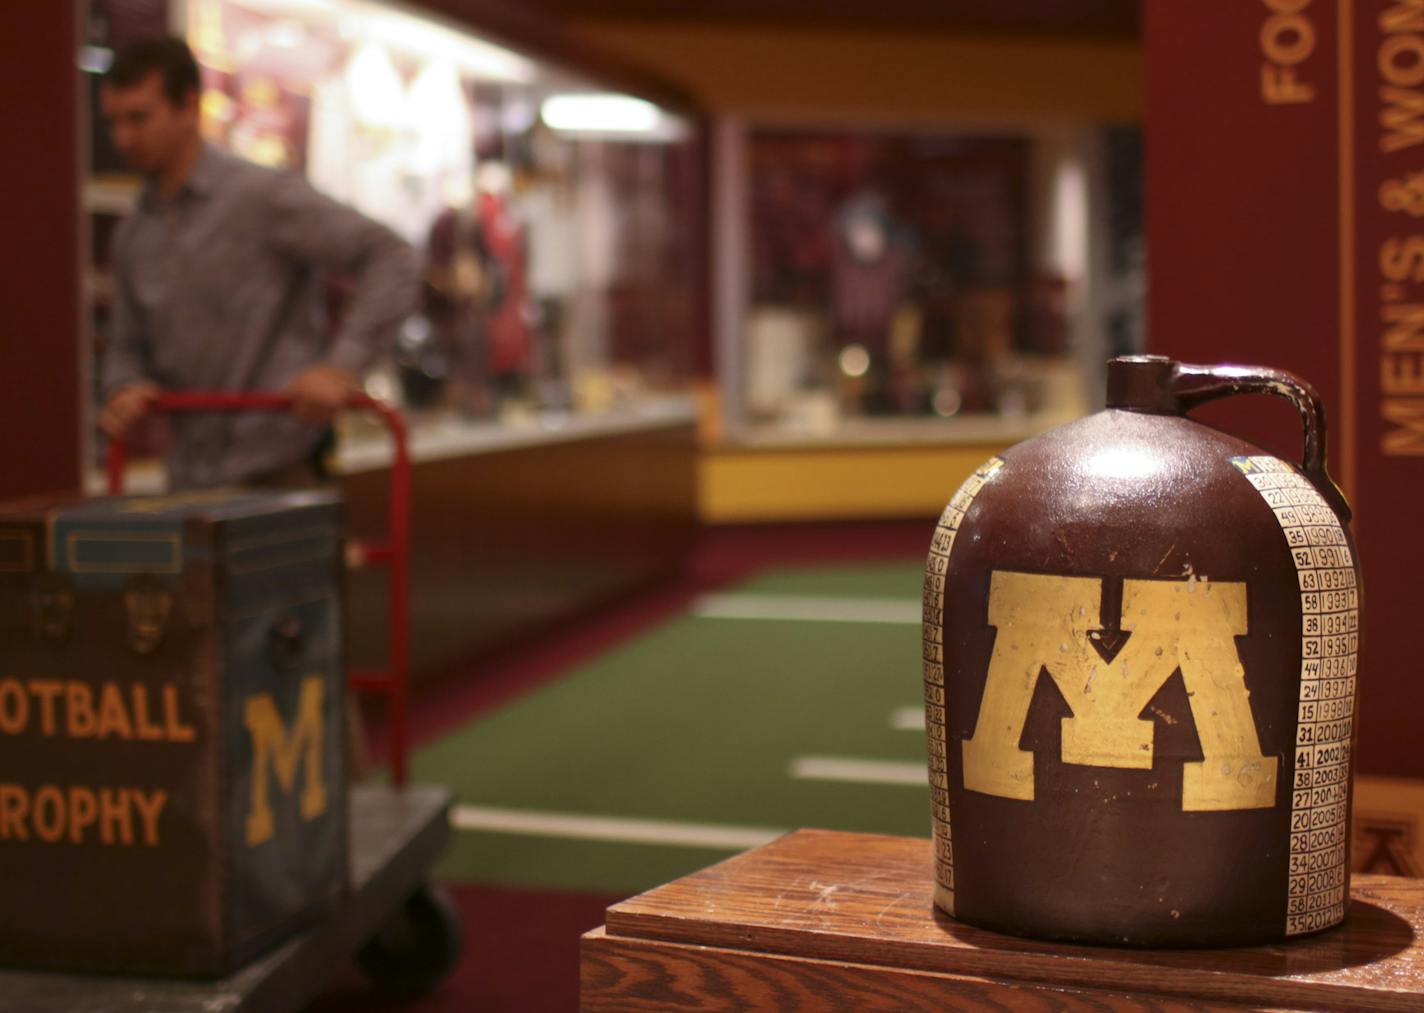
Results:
x,y
629,976
831,898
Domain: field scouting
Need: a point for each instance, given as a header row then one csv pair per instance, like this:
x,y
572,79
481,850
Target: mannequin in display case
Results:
x,y
511,341
870,269
544,195
462,285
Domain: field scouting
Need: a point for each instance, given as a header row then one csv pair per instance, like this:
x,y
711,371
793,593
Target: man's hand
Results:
x,y
129,404
319,392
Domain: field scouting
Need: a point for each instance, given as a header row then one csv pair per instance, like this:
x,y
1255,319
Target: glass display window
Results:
x,y
887,284
557,219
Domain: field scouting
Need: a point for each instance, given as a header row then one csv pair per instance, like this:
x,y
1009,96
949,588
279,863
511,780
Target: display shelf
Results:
x,y
897,431
821,920
446,436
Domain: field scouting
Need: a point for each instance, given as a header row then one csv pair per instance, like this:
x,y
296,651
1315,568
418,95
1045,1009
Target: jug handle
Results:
x,y
1194,385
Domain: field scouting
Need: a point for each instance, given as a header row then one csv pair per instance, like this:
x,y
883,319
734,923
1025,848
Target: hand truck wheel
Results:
x,y
417,947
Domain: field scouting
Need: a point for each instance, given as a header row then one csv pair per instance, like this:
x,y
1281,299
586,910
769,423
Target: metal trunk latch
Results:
x,y
147,606
51,607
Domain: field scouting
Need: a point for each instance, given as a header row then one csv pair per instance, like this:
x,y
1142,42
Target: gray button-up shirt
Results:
x,y
219,288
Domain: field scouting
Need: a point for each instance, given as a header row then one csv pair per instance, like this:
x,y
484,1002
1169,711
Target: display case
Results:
x,y
893,284
557,217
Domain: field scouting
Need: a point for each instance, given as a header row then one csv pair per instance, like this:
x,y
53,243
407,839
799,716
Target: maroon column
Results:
x,y
40,337
1285,210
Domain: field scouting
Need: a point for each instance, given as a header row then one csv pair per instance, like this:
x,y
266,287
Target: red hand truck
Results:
x,y
392,552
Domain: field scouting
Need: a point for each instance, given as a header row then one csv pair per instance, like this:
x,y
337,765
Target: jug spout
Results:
x,y
1155,384
1143,383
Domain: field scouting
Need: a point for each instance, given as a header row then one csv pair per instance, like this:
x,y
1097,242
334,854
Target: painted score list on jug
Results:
x,y
935,715
1329,648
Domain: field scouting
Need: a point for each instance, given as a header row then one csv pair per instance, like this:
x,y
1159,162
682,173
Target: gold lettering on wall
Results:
x,y
1287,39
1399,64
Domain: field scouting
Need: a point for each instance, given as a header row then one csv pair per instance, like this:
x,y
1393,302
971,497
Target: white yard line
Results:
x,y
845,768
610,828
810,608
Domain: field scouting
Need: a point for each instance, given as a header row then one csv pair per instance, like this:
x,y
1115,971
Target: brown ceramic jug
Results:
x,y
1140,636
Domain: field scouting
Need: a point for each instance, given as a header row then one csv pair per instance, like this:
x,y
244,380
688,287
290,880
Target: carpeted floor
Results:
x,y
706,720
775,685
520,956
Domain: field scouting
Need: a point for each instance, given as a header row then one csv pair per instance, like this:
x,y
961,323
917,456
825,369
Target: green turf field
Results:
x,y
696,726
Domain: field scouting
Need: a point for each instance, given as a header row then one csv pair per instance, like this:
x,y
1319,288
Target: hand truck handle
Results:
x,y
394,552
242,401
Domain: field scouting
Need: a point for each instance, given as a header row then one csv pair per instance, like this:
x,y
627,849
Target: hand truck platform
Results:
x,y
404,935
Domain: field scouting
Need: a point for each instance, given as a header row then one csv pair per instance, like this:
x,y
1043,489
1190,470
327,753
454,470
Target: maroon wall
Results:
x,y
1285,226
39,251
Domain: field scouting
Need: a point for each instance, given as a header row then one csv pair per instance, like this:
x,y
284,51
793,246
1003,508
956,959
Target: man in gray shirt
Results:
x,y
219,278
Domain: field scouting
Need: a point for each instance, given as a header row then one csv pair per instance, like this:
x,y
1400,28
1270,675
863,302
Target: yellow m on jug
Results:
x,y
276,750
1043,623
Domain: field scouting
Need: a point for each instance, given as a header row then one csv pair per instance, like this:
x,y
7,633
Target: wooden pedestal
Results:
x,y
819,920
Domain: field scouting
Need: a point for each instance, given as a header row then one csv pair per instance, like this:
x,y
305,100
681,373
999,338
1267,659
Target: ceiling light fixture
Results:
x,y
591,113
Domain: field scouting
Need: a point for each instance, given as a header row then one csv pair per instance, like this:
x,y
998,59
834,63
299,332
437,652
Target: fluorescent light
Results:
x,y
329,8
416,33
601,114
433,41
